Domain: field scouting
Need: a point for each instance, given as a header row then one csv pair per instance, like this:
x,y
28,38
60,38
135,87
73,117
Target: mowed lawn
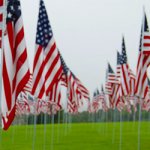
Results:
x,y
87,136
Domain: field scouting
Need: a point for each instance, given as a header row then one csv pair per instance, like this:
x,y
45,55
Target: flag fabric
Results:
x,y
96,101
125,78
146,102
75,89
113,82
15,69
146,37
139,67
47,66
132,82
119,104
111,77
55,95
143,62
103,99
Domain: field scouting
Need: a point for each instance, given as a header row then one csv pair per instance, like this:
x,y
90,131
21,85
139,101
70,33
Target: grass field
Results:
x,y
98,136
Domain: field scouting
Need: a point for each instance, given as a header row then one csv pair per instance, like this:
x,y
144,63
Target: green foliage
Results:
x,y
89,136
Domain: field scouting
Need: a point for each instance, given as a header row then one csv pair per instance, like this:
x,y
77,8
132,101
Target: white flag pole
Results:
x,y
45,124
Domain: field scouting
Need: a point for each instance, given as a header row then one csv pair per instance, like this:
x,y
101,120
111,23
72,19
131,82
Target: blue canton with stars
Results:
x,y
124,55
44,31
118,58
65,68
110,70
146,29
13,10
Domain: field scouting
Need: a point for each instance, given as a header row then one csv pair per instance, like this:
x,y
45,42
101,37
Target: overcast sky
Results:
x,y
89,32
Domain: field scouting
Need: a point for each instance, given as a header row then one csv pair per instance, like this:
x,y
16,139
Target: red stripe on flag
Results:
x,y
1,17
146,37
10,118
11,38
146,44
54,80
48,56
7,86
38,77
21,60
1,2
39,51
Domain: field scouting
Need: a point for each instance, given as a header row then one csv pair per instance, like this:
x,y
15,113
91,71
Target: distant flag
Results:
x,y
103,99
96,101
111,85
76,91
132,82
118,69
15,70
119,103
146,37
47,66
125,78
111,75
146,102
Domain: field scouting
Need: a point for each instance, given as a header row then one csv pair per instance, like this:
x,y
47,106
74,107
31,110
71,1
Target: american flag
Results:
x,y
102,98
113,83
132,82
15,69
55,95
146,37
28,87
75,89
118,69
96,101
125,78
47,66
111,75
139,67
119,103
146,102
108,88
143,62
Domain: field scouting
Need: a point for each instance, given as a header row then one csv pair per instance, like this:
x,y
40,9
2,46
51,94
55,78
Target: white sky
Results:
x,y
89,32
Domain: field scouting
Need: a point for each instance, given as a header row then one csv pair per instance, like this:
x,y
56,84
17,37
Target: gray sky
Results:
x,y
89,32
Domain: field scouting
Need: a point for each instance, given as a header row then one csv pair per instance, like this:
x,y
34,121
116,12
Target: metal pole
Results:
x,y
26,126
120,145
139,127
114,125
58,127
45,122
52,133
34,134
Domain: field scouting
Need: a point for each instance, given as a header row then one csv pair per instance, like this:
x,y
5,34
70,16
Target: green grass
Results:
x,y
100,136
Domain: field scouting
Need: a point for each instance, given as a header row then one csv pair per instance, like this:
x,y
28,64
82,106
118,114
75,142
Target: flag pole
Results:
x,y
120,145
34,133
45,122
66,123
139,125
58,127
52,123
26,125
114,125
